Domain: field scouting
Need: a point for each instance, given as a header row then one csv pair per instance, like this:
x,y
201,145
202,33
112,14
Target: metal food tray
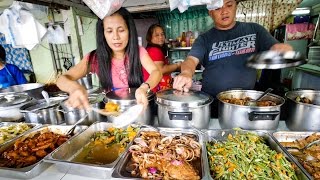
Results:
x,y
221,135
288,136
37,168
63,155
32,125
120,172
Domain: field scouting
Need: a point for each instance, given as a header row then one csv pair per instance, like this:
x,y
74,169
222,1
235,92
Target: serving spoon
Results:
x,y
254,102
105,113
305,147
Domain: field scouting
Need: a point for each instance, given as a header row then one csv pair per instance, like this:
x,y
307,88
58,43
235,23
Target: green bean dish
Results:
x,y
247,156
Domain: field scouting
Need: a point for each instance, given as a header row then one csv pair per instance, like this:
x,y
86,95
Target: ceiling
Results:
x,y
132,5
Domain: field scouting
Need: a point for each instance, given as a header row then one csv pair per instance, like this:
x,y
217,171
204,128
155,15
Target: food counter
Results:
x,y
52,173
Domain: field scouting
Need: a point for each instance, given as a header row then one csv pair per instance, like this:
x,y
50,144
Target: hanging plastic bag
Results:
x,y
183,5
50,35
104,8
60,36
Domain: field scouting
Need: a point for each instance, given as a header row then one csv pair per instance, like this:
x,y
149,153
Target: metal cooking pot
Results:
x,y
248,117
10,104
72,115
125,98
179,109
40,111
33,89
303,116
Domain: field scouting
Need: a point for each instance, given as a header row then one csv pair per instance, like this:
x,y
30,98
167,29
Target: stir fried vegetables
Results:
x,y
115,135
11,131
246,156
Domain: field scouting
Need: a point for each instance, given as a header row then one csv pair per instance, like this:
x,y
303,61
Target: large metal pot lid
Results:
x,y
127,94
276,60
11,99
42,104
176,98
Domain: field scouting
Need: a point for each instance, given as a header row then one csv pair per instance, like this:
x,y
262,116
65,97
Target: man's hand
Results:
x,y
281,47
183,82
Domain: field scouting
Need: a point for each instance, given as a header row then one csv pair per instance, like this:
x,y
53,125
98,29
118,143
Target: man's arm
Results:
x,y
183,81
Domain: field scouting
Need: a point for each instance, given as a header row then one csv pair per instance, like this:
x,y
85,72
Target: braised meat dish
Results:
x,y
310,157
245,101
30,150
303,100
154,156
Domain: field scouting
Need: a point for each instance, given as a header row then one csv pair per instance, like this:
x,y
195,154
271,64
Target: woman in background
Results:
x,y
9,74
118,61
158,50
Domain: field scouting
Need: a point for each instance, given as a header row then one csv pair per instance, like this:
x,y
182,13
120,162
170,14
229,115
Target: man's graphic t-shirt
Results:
x,y
223,53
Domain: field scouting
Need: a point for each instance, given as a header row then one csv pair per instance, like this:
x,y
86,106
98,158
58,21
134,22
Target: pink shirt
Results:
x,y
118,71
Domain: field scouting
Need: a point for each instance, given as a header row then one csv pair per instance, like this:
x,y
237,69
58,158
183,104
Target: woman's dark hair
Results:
x,y
104,54
150,31
2,54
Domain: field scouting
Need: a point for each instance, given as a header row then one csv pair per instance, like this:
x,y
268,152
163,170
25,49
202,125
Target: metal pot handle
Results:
x,y
185,116
258,115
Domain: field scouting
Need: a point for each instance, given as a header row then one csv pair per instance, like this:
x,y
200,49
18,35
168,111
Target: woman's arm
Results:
x,y
167,68
151,82
152,69
78,96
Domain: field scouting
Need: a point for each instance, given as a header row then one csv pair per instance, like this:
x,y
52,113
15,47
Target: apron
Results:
x,y
8,80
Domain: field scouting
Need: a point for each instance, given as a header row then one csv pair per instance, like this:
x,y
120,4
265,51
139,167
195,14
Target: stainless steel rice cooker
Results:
x,y
10,104
248,117
183,109
125,98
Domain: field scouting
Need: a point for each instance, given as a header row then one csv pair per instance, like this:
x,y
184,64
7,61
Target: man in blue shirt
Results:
x,y
224,50
9,74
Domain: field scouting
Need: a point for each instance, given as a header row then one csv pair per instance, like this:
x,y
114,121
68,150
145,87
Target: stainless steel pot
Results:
x,y
10,104
248,117
126,98
40,111
302,116
183,109
72,115
33,89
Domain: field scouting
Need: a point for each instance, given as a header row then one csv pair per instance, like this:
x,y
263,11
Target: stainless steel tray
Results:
x,y
290,136
63,155
32,125
222,135
37,168
120,172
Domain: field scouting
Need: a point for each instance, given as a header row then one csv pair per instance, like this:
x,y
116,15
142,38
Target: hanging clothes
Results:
x,y
17,56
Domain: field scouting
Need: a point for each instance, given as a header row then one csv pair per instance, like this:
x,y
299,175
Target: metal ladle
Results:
x,y
77,123
254,102
46,96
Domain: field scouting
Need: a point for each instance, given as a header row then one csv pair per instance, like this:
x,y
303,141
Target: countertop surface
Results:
x,y
52,173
